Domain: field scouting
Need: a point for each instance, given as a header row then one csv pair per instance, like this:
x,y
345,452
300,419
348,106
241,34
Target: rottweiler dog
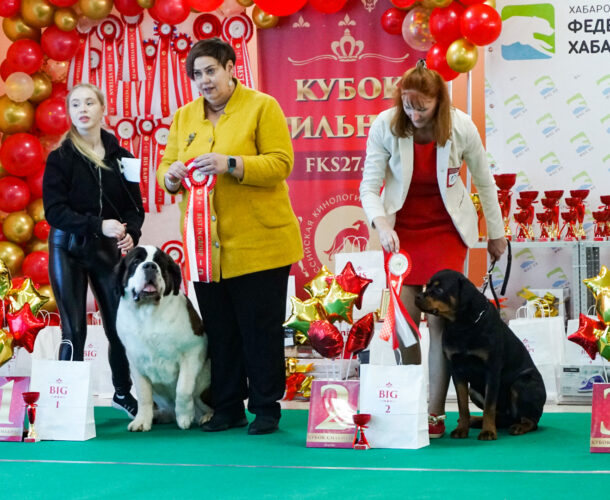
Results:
x,y
486,359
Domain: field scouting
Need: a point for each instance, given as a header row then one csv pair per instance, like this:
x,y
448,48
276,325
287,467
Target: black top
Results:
x,y
71,191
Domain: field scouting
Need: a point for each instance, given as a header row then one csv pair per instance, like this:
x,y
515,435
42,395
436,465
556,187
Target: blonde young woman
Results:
x,y
95,214
417,148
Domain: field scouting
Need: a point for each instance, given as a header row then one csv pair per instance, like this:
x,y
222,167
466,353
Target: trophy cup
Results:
x,y
504,183
476,201
580,194
552,206
545,220
523,231
569,222
601,218
30,399
360,442
605,199
573,205
525,203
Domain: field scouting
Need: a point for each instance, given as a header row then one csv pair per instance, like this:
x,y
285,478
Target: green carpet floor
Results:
x,y
553,462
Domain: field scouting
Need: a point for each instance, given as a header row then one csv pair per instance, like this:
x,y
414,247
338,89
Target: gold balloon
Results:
x,y
36,210
491,3
56,70
36,245
3,173
19,86
431,4
37,13
15,116
12,255
95,9
262,19
319,285
26,294
65,19
146,4
5,280
46,290
6,346
462,55
42,87
15,28
18,227
245,3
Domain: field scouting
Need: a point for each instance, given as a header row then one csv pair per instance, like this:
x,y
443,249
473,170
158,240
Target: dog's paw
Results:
x,y
459,433
488,435
206,417
526,425
184,421
139,425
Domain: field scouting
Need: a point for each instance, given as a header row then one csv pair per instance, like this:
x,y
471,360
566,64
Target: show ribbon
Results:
x,y
95,61
80,65
132,69
164,101
126,132
109,31
197,229
146,128
181,45
150,57
398,319
160,135
237,30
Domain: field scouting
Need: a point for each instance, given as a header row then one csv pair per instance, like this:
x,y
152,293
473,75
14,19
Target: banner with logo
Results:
x,y
332,75
547,97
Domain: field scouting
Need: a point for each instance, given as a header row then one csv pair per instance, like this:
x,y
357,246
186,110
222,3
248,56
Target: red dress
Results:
x,y
424,227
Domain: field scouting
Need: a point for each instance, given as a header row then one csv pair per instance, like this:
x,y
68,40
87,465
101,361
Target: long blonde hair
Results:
x,y
430,84
74,136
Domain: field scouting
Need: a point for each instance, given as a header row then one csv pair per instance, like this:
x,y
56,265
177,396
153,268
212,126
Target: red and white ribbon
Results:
x,y
146,128
197,230
163,101
237,30
150,57
398,319
181,45
133,72
160,135
80,66
109,31
95,63
125,130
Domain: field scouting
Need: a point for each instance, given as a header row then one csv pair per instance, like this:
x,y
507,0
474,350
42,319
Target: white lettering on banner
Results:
x,y
333,127
333,164
308,89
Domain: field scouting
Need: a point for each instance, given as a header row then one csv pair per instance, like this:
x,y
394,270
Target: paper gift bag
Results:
x,y
20,365
65,407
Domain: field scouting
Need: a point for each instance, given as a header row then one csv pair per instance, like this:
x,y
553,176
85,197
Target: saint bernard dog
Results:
x,y
164,339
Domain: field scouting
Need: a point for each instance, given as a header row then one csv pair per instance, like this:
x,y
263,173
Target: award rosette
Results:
x,y
237,31
80,67
150,56
146,128
197,225
206,26
160,136
109,31
398,320
181,45
164,101
126,132
132,68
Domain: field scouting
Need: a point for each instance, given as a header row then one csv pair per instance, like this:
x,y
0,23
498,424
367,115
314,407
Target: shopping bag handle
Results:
x,y
68,342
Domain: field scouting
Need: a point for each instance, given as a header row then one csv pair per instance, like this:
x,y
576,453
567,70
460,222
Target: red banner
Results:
x,y
338,73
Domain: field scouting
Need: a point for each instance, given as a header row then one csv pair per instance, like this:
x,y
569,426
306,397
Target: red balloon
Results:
x,y
585,335
481,24
64,3
280,7
14,194
36,266
436,59
391,20
24,327
445,23
128,8
403,4
205,5
360,334
52,116
328,6
170,11
9,8
25,55
21,154
35,184
6,69
59,89
41,230
351,282
58,44
325,338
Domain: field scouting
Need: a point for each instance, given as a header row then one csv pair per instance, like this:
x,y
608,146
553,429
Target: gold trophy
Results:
x,y
30,399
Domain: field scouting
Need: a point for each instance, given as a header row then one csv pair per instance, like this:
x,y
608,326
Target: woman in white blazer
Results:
x,y
415,151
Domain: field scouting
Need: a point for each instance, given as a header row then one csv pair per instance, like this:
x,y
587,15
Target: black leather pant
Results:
x,y
73,263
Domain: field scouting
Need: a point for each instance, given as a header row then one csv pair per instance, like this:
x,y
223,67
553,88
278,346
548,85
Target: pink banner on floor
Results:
x,y
12,407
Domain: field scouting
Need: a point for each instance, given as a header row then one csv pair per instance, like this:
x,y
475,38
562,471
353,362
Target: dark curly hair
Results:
x,y
211,47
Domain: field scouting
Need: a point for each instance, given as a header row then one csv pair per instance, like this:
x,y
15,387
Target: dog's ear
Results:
x,y
120,273
174,278
471,300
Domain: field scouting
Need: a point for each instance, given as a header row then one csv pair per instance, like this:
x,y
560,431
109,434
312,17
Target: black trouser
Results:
x,y
73,263
243,318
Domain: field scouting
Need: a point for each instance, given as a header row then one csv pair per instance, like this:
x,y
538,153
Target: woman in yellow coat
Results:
x,y
240,136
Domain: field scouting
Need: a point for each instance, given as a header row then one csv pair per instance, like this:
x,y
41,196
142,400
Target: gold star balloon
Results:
x,y
602,280
26,294
303,313
5,280
602,305
6,346
318,287
339,304
603,344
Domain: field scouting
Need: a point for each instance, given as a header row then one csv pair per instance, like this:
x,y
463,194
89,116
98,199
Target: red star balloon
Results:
x,y
360,334
326,339
24,327
351,282
587,334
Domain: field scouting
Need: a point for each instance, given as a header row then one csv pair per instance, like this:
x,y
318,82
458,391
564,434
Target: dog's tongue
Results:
x,y
149,288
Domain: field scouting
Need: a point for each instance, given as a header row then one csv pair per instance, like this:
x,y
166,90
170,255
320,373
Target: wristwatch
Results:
x,y
232,163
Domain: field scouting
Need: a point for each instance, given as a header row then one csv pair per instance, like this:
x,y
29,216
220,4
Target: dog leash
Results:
x,y
488,277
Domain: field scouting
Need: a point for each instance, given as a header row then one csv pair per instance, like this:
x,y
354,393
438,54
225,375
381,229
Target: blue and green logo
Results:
x,y
515,106
526,259
548,125
578,105
559,278
528,32
582,144
517,145
583,180
606,122
551,163
523,182
604,84
545,85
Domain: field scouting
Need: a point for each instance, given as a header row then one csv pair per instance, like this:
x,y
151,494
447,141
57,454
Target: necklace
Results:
x,y
216,109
